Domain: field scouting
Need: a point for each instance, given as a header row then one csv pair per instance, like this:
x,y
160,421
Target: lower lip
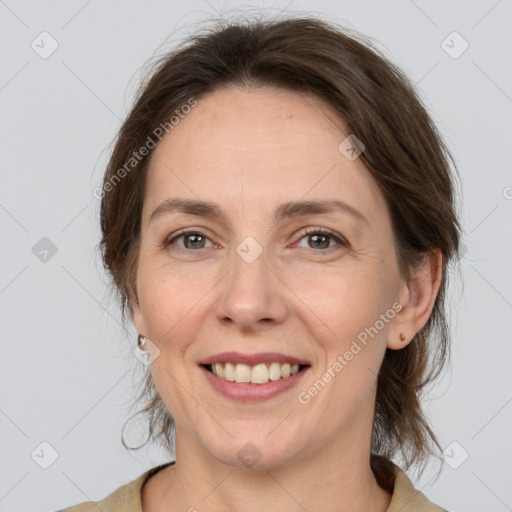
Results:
x,y
248,392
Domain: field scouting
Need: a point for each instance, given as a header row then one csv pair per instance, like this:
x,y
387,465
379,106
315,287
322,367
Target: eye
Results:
x,y
321,238
192,239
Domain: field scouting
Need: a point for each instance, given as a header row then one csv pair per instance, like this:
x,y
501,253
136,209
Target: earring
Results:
x,y
141,341
402,336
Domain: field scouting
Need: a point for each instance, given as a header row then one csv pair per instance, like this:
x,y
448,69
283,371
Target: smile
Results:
x,y
258,374
253,377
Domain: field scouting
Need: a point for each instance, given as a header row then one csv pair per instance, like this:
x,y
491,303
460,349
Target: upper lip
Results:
x,y
253,359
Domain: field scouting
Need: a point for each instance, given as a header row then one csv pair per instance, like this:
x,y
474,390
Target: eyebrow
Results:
x,y
290,209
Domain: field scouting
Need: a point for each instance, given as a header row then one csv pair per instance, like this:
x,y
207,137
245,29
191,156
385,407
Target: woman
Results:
x,y
278,218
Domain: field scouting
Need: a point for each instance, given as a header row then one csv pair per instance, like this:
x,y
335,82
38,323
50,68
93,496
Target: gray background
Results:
x,y
68,373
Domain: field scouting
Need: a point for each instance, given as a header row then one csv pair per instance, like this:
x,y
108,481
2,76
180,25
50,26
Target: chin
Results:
x,y
253,452
250,457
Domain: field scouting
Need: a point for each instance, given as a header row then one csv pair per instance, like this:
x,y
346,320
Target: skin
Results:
x,y
249,151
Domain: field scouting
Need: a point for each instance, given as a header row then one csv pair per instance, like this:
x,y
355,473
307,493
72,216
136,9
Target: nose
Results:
x,y
253,296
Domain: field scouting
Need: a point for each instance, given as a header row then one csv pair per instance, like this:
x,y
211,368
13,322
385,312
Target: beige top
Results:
x,y
405,498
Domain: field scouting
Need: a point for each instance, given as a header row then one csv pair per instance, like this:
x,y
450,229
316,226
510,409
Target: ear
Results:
x,y
417,298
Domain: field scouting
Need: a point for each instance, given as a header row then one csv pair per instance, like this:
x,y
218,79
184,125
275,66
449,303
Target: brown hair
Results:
x,y
403,151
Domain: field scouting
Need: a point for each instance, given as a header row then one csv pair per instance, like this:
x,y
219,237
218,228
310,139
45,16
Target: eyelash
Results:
x,y
306,232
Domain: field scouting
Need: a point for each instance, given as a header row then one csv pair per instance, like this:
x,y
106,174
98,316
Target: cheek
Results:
x,y
355,313
170,301
346,304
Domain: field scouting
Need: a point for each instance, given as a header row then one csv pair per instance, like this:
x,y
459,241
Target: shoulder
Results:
x,y
126,498
406,498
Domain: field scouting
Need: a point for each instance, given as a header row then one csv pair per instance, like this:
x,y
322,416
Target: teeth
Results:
x,y
275,371
258,374
229,372
218,370
242,373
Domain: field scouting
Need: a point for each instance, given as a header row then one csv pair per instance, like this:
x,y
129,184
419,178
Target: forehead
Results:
x,y
261,146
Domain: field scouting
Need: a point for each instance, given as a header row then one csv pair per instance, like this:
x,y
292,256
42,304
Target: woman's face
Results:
x,y
269,279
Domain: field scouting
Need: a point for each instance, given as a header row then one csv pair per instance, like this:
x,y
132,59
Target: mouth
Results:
x,y
258,374
253,377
